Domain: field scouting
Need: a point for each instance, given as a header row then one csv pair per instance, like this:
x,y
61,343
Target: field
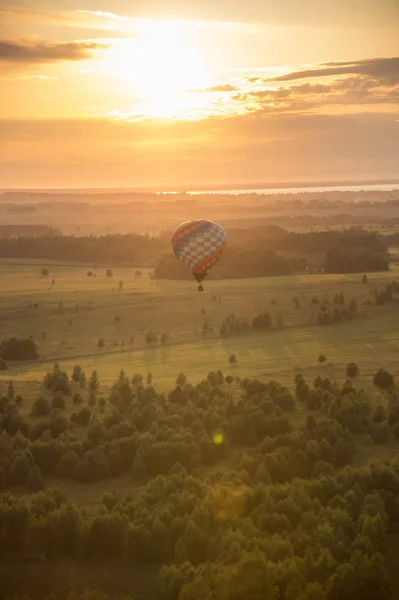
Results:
x,y
94,308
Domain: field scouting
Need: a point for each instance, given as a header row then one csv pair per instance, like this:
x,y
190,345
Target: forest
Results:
x,y
254,252
239,488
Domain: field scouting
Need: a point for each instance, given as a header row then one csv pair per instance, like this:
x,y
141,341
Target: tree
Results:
x,y
109,273
44,272
232,359
18,349
11,390
379,414
41,407
181,379
89,273
322,358
352,370
19,469
101,342
94,383
3,364
35,481
150,337
82,417
77,399
365,279
58,401
383,379
77,373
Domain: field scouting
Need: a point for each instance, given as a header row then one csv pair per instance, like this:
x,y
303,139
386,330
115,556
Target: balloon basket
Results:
x,y
200,288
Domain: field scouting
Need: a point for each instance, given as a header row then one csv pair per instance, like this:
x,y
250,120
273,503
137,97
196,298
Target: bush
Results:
x,y
109,272
101,342
352,370
58,401
383,379
232,359
3,364
229,379
41,407
322,358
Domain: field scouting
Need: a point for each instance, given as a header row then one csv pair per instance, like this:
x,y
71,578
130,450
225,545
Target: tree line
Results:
x,y
252,252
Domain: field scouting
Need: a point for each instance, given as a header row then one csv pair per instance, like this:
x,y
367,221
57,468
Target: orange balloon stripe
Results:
x,y
208,262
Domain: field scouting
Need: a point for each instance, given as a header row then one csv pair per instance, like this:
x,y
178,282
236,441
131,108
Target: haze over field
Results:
x,y
151,94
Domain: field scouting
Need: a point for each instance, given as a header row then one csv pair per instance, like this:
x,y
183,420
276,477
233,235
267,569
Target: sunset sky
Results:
x,y
128,93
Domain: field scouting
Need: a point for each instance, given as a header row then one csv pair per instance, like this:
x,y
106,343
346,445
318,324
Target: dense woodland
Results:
x,y
253,252
230,499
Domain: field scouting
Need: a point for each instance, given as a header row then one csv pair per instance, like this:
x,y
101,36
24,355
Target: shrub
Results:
x,y
3,364
101,342
383,379
322,358
232,359
109,272
229,379
352,370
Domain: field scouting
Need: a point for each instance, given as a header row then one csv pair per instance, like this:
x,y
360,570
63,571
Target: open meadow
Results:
x,y
68,318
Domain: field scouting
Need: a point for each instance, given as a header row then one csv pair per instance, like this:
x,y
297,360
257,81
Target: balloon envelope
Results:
x,y
199,245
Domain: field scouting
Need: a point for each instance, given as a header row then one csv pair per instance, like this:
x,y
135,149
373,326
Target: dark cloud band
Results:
x,y
42,52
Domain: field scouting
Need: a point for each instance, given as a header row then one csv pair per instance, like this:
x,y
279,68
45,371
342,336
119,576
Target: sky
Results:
x,y
133,93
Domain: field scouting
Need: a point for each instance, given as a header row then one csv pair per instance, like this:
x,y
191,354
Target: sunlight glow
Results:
x,y
158,65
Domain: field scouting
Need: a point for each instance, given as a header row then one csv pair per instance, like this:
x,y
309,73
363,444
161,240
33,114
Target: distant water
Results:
x,y
387,187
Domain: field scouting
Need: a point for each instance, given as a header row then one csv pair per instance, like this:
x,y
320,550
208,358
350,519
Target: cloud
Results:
x,y
227,87
383,69
45,52
105,15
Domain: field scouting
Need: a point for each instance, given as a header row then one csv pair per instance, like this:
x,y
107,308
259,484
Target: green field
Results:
x,y
175,307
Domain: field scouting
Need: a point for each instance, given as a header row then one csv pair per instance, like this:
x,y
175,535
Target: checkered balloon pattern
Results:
x,y
199,244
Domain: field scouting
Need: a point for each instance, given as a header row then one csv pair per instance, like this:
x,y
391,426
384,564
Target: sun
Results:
x,y
159,64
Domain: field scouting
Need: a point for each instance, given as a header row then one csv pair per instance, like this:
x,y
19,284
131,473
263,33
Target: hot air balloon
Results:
x,y
199,245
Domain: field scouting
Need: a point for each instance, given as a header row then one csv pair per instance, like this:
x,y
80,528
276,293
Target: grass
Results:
x,y
372,339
